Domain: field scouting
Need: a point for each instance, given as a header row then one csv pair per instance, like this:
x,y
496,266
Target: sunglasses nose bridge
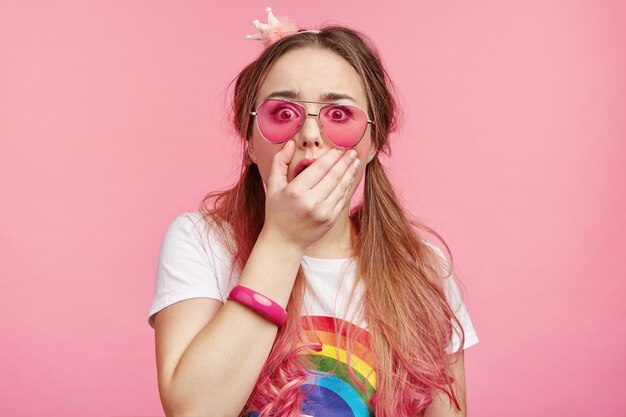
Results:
x,y
314,132
317,118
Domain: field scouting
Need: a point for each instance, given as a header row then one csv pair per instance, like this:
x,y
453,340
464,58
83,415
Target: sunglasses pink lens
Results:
x,y
344,125
279,120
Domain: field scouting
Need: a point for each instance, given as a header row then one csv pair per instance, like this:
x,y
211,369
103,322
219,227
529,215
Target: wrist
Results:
x,y
258,302
279,242
272,267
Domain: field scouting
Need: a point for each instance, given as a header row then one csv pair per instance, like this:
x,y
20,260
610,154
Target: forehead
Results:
x,y
314,74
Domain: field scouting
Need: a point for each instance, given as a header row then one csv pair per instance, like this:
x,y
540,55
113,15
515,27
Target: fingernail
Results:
x,y
357,162
352,154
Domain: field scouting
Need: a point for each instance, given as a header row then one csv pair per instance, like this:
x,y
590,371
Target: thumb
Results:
x,y
278,171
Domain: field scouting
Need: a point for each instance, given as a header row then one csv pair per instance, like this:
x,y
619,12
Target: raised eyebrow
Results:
x,y
336,96
292,94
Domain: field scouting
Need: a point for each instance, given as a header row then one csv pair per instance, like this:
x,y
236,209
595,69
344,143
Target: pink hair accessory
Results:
x,y
274,29
259,303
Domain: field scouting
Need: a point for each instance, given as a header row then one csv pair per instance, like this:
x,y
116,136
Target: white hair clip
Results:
x,y
274,29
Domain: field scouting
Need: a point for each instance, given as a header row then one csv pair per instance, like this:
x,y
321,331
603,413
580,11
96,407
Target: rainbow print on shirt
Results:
x,y
333,391
329,389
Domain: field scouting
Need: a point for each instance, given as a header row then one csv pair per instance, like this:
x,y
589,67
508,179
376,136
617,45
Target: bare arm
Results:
x,y
209,356
217,371
441,405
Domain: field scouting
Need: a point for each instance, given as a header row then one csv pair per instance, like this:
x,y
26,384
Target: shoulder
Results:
x,y
436,249
192,220
200,230
200,223
451,285
438,257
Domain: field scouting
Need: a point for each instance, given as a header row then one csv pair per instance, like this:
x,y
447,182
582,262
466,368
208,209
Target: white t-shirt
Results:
x,y
193,263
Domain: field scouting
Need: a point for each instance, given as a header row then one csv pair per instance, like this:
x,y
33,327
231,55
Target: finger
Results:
x,y
316,171
343,192
344,200
280,164
331,180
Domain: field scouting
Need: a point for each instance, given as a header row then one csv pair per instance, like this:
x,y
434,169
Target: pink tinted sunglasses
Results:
x,y
279,120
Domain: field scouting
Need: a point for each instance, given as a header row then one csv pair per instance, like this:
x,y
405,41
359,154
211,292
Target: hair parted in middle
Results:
x,y
404,302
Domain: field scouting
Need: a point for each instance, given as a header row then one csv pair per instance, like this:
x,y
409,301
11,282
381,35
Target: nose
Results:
x,y
310,135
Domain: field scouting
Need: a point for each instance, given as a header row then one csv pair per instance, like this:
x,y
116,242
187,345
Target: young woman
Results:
x,y
275,298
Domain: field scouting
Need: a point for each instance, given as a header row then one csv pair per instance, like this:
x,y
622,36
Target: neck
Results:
x,y
336,243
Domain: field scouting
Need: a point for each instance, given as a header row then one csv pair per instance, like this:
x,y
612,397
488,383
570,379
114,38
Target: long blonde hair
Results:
x,y
405,306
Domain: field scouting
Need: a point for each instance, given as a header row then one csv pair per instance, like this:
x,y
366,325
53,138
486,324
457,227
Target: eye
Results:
x,y
285,112
338,114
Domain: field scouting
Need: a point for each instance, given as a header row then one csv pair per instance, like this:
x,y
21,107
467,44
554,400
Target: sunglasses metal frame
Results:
x,y
307,114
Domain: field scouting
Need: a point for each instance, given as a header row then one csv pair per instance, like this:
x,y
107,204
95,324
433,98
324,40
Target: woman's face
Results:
x,y
310,74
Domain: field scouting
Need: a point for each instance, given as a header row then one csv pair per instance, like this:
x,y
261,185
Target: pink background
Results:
x,y
513,148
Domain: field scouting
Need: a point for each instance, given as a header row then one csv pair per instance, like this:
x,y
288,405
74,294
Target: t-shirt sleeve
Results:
x,y
189,264
455,301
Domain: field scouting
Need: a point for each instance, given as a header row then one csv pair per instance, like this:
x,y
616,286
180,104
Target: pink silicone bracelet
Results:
x,y
259,303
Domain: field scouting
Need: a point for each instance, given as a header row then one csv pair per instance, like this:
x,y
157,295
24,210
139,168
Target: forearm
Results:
x,y
220,367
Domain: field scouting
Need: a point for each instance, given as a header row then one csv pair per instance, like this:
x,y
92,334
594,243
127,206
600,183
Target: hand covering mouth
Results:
x,y
302,165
